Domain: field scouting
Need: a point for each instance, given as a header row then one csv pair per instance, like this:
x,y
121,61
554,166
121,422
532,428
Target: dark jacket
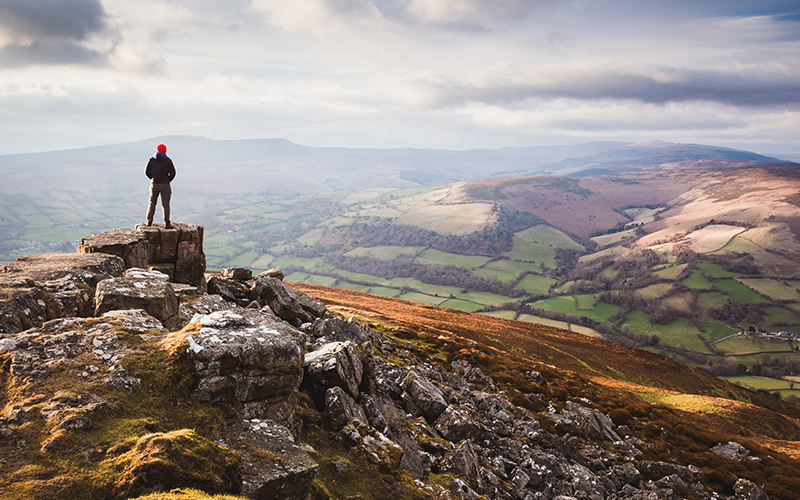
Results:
x,y
160,169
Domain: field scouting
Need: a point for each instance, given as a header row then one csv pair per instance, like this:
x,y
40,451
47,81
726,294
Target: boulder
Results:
x,y
273,465
288,304
342,408
87,269
463,461
38,288
237,273
335,364
458,423
139,289
421,394
272,273
73,299
129,245
657,470
22,306
731,450
378,449
747,490
586,422
245,356
228,289
136,320
167,269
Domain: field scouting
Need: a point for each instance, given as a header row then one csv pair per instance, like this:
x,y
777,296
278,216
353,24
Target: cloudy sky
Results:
x,y
455,74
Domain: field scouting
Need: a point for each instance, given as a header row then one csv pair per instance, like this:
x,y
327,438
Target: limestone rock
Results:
x,y
586,422
73,299
237,273
342,408
228,289
139,289
731,450
421,393
272,273
273,464
378,449
245,356
136,320
288,304
335,364
22,306
658,470
41,287
746,490
178,252
463,461
126,244
458,423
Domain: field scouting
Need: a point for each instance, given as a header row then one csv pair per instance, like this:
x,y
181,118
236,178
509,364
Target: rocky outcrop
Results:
x,y
176,252
138,289
335,364
129,245
245,356
731,450
287,303
38,288
273,465
275,367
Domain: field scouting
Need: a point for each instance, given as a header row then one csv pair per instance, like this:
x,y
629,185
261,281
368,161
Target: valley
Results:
x,y
697,259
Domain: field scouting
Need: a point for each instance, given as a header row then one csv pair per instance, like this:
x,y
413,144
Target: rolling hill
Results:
x,y
671,247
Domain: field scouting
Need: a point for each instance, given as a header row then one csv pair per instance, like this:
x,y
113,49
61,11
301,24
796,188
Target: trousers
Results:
x,y
165,191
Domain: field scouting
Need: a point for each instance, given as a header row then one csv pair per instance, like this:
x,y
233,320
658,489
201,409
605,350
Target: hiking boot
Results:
x,y
149,223
167,225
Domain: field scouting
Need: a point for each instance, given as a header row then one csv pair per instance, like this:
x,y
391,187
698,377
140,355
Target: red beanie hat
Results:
x,y
161,148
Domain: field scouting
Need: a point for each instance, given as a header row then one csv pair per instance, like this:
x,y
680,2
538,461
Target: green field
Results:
x,y
698,281
383,291
567,304
244,260
655,291
502,314
715,270
681,332
710,300
530,318
638,322
485,298
384,252
423,298
669,272
769,384
750,345
505,270
716,331
534,283
538,244
432,256
461,305
772,288
738,292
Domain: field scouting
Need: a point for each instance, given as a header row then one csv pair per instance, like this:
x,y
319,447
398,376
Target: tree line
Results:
x,y
406,266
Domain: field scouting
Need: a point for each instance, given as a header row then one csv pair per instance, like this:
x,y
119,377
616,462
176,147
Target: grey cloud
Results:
x,y
50,31
43,53
52,19
683,85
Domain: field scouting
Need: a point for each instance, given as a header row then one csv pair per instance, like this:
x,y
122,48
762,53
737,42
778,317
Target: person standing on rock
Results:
x,y
161,170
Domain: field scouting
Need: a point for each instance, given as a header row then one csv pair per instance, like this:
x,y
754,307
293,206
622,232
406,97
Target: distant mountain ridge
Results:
x,y
278,166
